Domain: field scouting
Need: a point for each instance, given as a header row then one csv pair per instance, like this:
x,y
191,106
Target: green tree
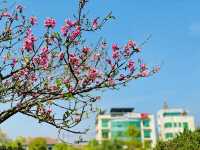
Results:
x,y
38,144
14,145
134,143
7,144
63,146
92,145
17,143
187,140
133,132
105,145
3,137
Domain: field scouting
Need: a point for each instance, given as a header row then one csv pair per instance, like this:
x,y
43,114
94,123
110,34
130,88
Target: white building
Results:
x,y
116,124
171,121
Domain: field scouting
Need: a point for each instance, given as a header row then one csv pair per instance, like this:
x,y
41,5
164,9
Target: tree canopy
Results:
x,y
187,140
38,144
53,76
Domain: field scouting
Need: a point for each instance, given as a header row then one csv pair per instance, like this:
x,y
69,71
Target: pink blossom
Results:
x,y
144,73
33,77
49,110
115,47
70,23
73,59
77,119
92,74
64,30
75,33
54,88
44,59
15,76
35,60
28,44
50,23
115,54
44,50
127,51
86,50
61,56
28,32
111,82
35,94
23,72
5,14
143,66
29,40
66,81
131,44
14,61
95,24
131,65
71,90
33,20
96,56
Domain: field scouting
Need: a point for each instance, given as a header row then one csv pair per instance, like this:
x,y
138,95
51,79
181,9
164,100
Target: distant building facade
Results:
x,y
171,121
116,125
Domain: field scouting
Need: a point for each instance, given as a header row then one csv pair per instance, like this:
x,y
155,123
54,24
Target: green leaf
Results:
x,y
57,35
67,85
68,96
58,82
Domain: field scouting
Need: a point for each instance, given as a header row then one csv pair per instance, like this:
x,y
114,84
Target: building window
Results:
x,y
171,114
119,125
146,123
135,123
168,135
104,123
179,124
185,125
105,134
168,125
147,133
118,134
175,124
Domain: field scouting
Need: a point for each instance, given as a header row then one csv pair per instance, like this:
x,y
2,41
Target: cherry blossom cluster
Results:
x,y
50,23
41,74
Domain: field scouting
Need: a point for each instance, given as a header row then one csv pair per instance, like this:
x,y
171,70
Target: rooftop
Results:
x,y
121,110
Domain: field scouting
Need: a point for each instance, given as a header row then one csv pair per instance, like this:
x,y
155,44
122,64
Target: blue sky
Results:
x,y
175,30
